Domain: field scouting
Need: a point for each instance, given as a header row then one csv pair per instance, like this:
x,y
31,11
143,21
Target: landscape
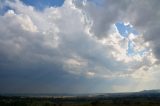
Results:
x,y
79,52
143,98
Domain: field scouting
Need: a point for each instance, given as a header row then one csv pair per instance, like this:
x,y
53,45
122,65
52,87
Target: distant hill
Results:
x,y
144,93
151,91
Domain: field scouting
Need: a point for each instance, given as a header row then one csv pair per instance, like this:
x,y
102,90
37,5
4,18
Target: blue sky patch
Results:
x,y
4,9
42,4
124,31
132,52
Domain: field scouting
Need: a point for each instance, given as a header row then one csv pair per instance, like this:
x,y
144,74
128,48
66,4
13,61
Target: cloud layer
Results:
x,y
79,39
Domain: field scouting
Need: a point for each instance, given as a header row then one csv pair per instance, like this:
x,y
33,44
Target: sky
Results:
x,y
79,46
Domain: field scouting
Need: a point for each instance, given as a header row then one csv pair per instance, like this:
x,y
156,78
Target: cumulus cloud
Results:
x,y
49,32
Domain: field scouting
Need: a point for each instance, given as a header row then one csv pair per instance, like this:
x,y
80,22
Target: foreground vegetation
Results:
x,y
80,101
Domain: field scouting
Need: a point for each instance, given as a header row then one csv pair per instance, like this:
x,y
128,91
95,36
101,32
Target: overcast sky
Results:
x,y
79,46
